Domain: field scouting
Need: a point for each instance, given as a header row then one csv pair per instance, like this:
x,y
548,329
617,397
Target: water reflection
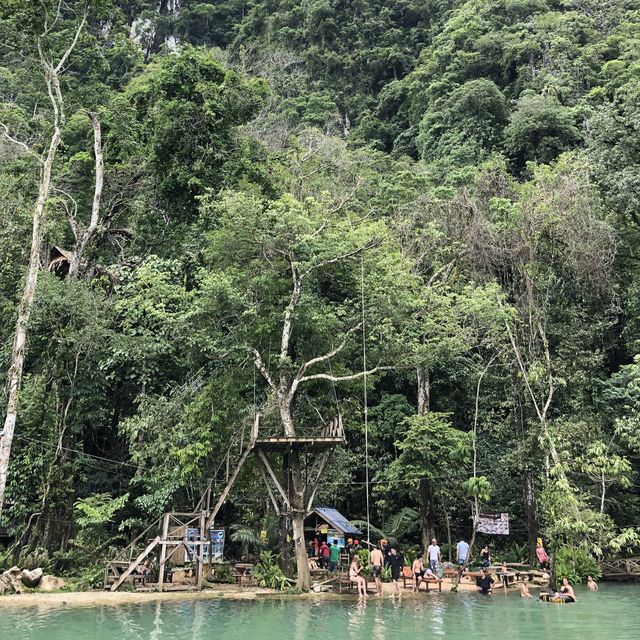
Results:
x,y
156,632
612,612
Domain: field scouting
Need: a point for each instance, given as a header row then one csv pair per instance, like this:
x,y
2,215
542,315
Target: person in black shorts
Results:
x,y
396,562
377,560
417,568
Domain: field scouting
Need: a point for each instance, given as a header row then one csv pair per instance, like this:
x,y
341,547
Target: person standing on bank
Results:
x,y
433,554
334,556
418,571
485,556
377,560
542,556
396,562
462,552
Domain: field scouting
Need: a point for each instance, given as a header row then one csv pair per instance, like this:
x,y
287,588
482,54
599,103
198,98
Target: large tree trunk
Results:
x,y
447,522
531,507
298,506
424,489
424,391
426,513
284,523
284,560
16,367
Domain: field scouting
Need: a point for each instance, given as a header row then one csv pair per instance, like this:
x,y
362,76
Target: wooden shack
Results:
x,y
328,524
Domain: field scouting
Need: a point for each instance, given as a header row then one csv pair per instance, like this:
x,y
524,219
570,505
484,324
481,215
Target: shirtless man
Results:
x,y
377,560
417,569
592,584
524,588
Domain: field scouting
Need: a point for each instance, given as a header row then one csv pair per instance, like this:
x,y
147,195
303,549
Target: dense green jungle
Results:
x,y
421,215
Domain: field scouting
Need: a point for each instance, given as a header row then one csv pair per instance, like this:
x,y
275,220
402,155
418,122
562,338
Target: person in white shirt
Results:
x,y
462,552
433,553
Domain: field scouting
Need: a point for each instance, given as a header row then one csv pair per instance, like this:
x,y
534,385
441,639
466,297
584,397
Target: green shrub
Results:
x,y
516,552
222,574
268,573
575,564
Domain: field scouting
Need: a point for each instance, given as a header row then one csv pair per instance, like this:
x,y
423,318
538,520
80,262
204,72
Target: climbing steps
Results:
x,y
169,532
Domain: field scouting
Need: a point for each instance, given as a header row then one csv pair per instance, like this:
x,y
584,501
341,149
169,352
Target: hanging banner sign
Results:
x,y
493,524
216,536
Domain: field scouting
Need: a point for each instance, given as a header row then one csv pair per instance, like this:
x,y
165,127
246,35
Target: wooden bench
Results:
x,y
407,575
344,581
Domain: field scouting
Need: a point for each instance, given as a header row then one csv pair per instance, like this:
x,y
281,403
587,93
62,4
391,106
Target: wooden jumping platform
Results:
x,y
281,443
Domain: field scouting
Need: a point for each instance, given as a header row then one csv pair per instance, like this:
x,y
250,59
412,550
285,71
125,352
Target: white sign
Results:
x,y
493,524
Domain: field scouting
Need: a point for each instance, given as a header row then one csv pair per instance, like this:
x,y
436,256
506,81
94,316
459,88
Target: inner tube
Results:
x,y
556,599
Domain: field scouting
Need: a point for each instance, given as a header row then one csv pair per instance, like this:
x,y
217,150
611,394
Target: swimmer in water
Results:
x,y
524,588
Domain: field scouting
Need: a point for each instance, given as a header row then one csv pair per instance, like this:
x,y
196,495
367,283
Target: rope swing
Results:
x,y
366,407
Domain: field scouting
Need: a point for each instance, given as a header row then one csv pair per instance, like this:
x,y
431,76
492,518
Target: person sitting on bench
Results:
x,y
356,578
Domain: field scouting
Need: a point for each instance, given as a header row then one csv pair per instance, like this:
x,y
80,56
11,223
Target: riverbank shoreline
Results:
x,y
223,592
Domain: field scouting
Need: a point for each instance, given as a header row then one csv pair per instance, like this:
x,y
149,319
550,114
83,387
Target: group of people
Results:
x,y
382,556
323,556
385,555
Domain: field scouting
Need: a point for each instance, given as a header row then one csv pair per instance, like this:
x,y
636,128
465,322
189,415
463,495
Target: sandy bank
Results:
x,y
226,592
106,598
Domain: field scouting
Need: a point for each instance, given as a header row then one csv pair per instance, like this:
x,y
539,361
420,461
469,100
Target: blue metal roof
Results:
x,y
335,518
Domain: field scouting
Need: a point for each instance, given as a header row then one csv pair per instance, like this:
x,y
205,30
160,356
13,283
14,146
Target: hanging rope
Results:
x,y
366,406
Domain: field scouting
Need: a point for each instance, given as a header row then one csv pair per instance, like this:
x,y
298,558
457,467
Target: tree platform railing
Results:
x,y
621,569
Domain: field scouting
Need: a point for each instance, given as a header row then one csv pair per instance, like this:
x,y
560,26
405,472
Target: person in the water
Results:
x,y
485,582
524,588
592,584
566,590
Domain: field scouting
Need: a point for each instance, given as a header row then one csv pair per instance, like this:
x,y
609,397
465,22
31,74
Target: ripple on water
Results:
x,y
613,612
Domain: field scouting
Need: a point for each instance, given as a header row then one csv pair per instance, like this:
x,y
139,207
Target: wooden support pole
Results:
x,y
200,575
135,564
265,461
322,465
228,486
266,482
163,550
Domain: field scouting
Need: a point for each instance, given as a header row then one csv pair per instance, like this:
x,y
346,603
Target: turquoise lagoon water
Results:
x,y
612,613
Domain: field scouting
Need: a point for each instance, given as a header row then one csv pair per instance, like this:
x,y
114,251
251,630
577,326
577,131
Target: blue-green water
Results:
x,y
613,612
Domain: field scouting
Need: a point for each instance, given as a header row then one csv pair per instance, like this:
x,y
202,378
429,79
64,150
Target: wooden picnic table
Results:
x,y
508,575
243,571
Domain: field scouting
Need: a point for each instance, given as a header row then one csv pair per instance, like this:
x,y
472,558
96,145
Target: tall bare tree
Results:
x,y
52,71
85,235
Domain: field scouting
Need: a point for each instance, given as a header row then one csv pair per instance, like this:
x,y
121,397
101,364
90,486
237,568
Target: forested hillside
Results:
x,y
453,185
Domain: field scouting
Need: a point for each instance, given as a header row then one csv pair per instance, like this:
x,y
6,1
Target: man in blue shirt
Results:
x,y
462,552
